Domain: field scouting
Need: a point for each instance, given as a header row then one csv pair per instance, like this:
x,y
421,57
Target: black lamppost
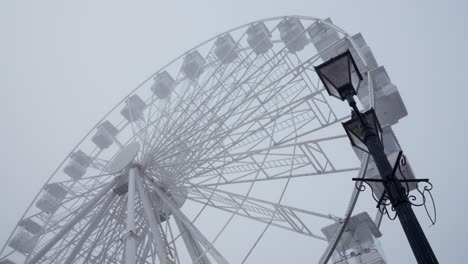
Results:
x,y
341,78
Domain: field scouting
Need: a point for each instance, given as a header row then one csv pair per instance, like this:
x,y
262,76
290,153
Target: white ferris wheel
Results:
x,y
231,153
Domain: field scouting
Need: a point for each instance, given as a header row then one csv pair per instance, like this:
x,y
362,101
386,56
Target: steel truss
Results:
x,y
261,119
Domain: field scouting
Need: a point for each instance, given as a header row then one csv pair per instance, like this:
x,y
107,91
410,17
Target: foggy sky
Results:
x,y
63,65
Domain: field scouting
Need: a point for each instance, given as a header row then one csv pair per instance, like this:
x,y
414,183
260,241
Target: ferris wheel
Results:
x,y
230,153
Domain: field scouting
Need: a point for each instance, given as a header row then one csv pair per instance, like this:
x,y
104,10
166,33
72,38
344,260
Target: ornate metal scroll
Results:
x,y
421,198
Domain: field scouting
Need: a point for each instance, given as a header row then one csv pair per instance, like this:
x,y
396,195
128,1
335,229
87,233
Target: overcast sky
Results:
x,y
64,64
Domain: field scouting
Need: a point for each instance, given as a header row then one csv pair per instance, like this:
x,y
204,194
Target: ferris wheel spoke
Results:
x,y
177,141
196,89
208,247
216,137
86,178
102,233
58,223
81,195
318,165
63,231
230,161
201,136
115,246
155,125
143,254
252,122
163,250
66,208
312,161
105,239
281,124
267,113
232,215
313,87
193,246
227,94
172,241
250,177
92,227
144,245
160,147
258,210
201,121
78,238
147,121
297,104
118,249
149,253
217,75
313,130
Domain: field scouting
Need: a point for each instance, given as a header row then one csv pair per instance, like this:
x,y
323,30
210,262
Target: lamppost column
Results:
x,y
395,190
342,78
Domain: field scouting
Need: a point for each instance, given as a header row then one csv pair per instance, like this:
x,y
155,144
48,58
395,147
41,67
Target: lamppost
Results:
x,y
342,78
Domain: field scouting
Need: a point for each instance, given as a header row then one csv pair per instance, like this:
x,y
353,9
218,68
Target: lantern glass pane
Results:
x,y
353,129
358,142
355,77
330,88
337,72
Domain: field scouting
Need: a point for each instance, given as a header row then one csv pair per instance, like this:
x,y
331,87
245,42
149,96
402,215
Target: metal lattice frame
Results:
x,y
259,119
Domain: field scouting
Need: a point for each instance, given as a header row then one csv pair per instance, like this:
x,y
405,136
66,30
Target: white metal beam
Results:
x,y
194,248
91,227
209,248
154,224
130,237
83,212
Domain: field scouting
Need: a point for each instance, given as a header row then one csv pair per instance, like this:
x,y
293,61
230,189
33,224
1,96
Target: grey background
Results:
x,y
64,64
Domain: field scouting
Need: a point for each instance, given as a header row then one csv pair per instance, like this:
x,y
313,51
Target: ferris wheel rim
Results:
x,y
145,81
158,71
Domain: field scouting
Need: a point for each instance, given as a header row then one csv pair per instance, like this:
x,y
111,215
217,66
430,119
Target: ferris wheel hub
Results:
x,y
124,158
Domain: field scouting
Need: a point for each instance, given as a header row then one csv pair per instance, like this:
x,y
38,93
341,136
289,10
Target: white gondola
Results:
x,y
57,190
23,241
292,34
389,106
366,52
345,44
54,193
78,164
162,85
30,225
48,203
133,109
192,65
322,35
358,243
259,38
105,134
225,49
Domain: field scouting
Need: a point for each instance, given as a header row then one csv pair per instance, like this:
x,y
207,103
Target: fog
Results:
x,y
64,65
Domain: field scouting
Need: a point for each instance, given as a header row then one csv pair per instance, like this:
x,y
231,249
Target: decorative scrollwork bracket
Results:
x,y
419,198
